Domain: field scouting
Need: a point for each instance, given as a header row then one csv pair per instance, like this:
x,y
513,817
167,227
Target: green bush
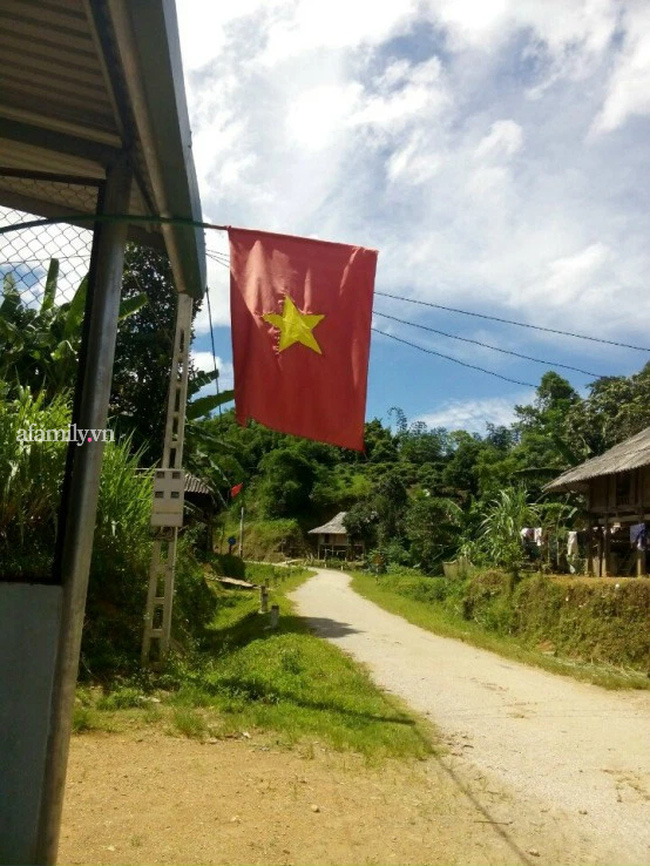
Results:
x,y
596,619
600,620
273,539
195,602
226,565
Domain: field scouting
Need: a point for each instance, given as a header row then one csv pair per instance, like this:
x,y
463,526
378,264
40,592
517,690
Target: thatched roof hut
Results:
x,y
634,453
617,489
333,527
332,539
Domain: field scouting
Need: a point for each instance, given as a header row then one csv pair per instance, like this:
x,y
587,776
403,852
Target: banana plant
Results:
x,y
39,347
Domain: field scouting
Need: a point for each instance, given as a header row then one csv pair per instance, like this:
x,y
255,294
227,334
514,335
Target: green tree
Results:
x,y
433,529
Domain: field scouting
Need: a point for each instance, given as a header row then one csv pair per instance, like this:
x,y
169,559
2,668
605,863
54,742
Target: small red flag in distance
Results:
x,y
236,490
301,312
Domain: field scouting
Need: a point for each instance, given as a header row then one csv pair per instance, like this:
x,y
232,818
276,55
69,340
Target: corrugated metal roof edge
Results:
x,y
155,84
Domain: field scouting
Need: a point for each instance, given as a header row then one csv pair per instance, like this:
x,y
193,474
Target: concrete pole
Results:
x,y
83,471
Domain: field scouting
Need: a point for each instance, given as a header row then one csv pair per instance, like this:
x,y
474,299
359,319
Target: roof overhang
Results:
x,y
83,82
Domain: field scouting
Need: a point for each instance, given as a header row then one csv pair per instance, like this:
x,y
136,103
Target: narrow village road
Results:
x,y
529,742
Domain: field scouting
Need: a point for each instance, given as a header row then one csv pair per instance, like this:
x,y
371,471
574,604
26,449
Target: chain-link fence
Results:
x,y
26,254
41,269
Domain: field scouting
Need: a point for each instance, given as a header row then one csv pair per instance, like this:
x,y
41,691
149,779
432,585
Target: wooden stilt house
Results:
x,y
332,539
617,489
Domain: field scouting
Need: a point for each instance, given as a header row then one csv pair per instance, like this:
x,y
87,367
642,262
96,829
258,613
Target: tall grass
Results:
x,y
30,481
31,477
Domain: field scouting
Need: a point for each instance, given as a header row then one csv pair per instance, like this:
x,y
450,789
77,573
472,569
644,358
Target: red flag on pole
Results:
x,y
301,313
236,490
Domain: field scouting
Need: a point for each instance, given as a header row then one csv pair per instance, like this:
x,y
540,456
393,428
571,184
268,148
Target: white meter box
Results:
x,y
168,493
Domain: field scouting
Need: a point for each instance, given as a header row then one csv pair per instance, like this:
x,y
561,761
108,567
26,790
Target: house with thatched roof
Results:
x,y
617,489
332,539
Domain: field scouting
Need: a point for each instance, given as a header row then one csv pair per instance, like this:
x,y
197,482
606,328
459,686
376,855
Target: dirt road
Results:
x,y
575,755
144,798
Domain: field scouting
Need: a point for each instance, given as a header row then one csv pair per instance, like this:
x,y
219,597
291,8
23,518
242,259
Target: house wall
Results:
x,y
334,539
620,494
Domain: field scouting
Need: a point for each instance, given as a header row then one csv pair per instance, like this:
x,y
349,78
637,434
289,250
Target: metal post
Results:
x,y
78,523
241,533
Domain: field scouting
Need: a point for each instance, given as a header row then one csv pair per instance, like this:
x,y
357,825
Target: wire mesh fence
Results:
x,y
41,269
27,254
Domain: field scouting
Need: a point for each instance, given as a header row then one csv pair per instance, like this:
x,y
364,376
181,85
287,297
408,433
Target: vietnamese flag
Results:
x,y
301,313
236,490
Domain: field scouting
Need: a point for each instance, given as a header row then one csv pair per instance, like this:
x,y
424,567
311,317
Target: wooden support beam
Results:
x,y
640,554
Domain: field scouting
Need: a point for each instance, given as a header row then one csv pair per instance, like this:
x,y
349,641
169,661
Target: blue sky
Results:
x,y
494,152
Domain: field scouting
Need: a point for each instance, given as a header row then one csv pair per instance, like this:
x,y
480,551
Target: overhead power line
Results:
x,y
511,322
187,221
450,358
487,345
214,354
216,256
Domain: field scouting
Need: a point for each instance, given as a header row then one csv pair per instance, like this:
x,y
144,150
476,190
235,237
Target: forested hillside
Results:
x,y
421,495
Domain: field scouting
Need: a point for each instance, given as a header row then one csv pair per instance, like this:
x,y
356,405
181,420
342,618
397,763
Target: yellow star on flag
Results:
x,y
294,326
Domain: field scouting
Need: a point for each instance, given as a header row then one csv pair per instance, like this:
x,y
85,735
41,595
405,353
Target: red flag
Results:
x,y
235,490
301,312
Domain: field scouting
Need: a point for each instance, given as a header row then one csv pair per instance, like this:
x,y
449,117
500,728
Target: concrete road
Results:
x,y
574,754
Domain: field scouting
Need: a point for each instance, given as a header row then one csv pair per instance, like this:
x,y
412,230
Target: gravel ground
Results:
x,y
576,755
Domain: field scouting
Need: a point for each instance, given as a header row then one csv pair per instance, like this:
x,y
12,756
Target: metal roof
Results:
x,y
193,484
80,82
631,454
334,527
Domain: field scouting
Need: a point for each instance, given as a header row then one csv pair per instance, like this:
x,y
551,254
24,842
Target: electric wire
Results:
x,y
216,256
214,354
188,221
450,358
512,322
221,258
487,345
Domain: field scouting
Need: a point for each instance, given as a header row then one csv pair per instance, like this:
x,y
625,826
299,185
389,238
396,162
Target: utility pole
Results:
x,y
168,497
241,533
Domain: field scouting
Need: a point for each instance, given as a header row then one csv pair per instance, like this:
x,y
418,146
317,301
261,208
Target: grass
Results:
x,y
439,619
283,684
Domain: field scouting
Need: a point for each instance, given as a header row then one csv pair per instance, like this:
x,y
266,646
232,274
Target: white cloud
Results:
x,y
205,361
473,415
504,139
315,119
317,116
628,91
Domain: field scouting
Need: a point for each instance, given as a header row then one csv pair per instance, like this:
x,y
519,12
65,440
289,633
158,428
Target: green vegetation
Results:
x,y
418,496
249,679
593,629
